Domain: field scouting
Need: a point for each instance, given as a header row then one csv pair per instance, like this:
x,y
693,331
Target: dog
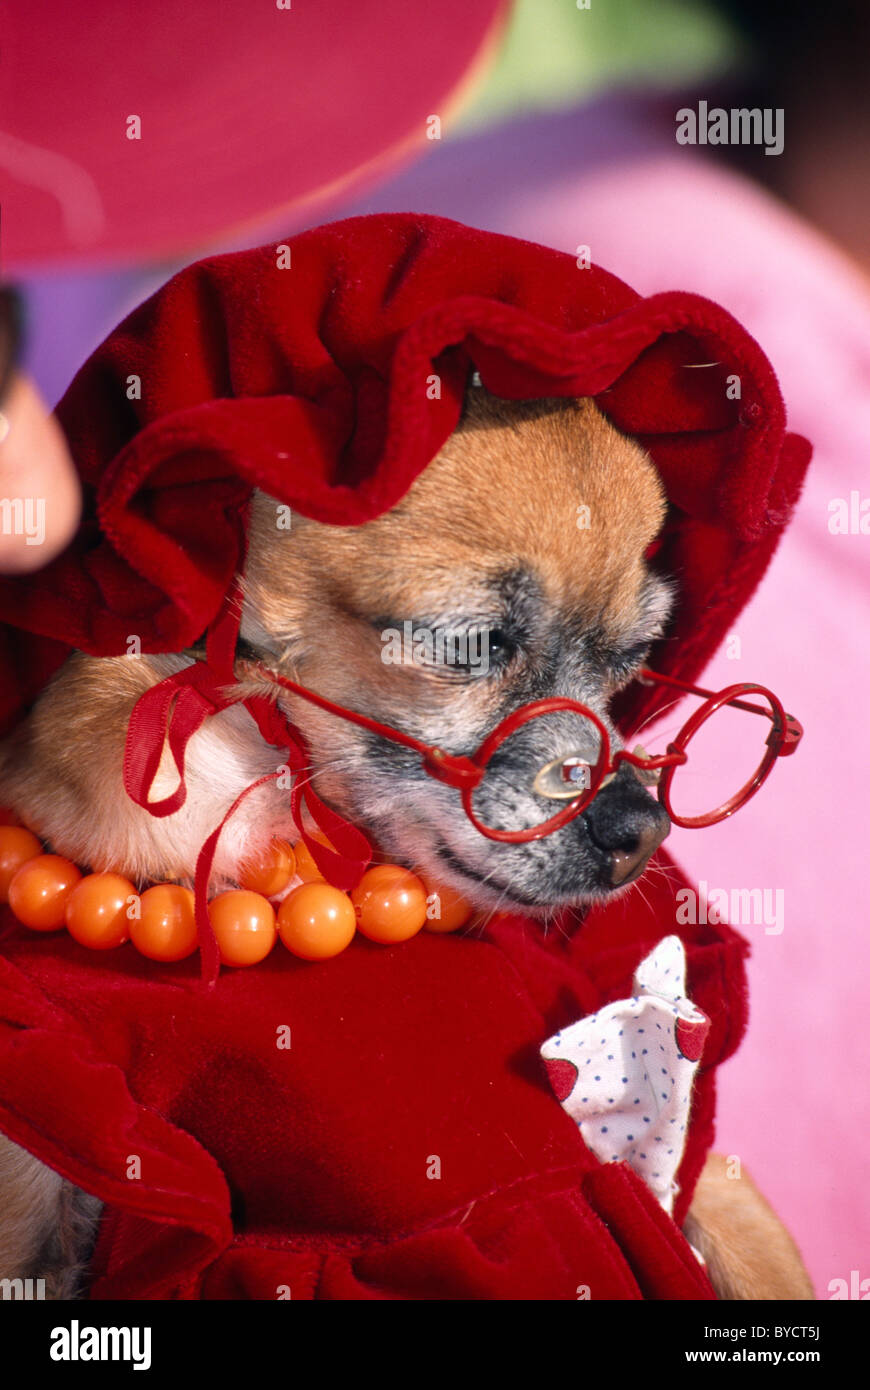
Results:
x,y
485,542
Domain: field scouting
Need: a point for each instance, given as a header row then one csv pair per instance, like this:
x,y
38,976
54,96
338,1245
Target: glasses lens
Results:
x,y
537,771
723,759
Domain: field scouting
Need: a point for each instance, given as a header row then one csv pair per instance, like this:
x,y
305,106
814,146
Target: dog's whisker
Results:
x,y
657,714
342,763
642,894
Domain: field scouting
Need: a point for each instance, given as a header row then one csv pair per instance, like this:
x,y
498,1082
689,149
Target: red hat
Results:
x,y
302,371
245,110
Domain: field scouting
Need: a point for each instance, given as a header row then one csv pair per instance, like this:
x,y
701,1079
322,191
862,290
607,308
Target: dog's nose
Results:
x,y
629,864
627,824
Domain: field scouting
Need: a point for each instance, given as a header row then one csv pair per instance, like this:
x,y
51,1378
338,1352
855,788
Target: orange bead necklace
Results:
x,y
314,920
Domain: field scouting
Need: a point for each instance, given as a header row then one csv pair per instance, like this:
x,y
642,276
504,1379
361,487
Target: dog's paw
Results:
x,y
47,1225
748,1252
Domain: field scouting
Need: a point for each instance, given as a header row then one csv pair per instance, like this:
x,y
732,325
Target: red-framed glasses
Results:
x,y
583,761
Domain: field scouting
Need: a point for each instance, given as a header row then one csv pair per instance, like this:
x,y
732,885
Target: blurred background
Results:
x,y
554,121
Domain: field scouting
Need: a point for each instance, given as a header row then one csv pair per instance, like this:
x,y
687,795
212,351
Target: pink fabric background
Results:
x,y
795,1101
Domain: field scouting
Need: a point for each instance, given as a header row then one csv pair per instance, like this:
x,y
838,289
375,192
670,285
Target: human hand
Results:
x,y
40,497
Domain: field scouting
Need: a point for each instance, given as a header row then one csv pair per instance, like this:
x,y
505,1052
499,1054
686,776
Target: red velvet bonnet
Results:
x,y
301,369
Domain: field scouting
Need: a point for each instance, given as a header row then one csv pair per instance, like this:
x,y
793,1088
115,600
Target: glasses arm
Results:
x,y
650,677
445,767
790,736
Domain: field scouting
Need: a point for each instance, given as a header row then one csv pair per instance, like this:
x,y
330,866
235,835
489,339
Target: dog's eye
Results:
x,y
623,664
499,643
461,650
482,650
501,647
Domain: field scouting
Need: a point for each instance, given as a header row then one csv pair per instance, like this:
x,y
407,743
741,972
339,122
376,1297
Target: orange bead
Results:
x,y
454,910
316,921
39,892
96,912
390,903
269,871
244,924
306,868
17,845
166,926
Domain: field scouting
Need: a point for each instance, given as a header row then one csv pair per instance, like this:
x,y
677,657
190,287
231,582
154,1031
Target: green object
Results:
x,y
556,53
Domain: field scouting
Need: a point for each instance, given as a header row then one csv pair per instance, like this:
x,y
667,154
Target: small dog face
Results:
x,y
522,544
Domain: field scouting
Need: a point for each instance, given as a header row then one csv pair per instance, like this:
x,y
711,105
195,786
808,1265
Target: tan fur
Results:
x,y
30,1194
506,486
505,490
748,1251
63,774
47,1226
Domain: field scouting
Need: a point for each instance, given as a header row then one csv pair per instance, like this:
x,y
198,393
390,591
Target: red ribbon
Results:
x,y
169,714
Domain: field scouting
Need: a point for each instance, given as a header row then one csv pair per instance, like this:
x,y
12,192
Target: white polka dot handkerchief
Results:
x,y
625,1074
